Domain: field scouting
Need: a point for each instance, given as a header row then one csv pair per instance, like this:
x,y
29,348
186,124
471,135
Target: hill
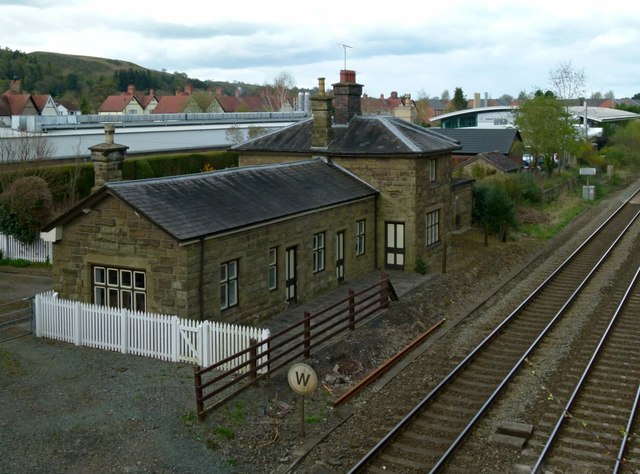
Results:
x,y
89,80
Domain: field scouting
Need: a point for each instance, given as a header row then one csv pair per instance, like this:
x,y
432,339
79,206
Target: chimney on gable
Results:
x,y
15,86
347,97
107,159
131,90
188,89
321,110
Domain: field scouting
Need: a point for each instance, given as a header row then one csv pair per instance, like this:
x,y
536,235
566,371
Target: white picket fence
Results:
x,y
147,334
38,251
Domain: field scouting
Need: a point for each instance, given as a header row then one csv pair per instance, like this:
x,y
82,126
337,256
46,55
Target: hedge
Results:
x,y
60,177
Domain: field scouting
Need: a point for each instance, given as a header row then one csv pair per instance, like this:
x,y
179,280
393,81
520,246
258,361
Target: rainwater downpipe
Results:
x,y
201,280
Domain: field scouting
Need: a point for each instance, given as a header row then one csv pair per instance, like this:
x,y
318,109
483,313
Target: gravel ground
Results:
x,y
72,409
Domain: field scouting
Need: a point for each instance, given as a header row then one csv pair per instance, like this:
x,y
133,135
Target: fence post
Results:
x,y
266,334
307,334
124,331
175,349
352,310
253,360
205,330
77,327
197,380
37,314
384,291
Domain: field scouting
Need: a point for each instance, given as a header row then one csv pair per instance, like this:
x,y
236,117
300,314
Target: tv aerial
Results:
x,y
345,46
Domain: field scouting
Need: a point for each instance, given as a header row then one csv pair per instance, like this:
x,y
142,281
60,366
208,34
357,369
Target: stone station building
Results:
x,y
311,206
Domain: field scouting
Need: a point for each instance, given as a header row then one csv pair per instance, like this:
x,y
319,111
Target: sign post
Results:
x,y
302,380
588,192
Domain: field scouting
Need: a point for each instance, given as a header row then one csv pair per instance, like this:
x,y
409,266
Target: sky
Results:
x,y
420,48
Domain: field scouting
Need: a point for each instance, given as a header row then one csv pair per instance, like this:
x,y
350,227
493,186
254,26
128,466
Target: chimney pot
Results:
x,y
347,76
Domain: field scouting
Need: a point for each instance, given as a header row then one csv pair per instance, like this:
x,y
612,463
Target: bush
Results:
x,y
529,190
25,207
421,267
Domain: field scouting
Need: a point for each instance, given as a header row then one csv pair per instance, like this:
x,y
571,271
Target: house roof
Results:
x,y
244,104
18,102
117,103
481,140
366,135
189,207
172,104
5,107
40,101
498,160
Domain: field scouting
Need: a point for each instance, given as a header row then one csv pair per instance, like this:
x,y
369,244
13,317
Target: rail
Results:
x,y
395,431
570,402
287,345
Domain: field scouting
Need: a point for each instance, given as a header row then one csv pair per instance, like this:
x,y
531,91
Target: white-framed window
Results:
x,y
273,268
318,252
433,172
120,288
229,284
360,237
433,227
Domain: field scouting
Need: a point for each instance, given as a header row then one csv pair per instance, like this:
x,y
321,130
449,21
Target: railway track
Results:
x,y
590,433
426,438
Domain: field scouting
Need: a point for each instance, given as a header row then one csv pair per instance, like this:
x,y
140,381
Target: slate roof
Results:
x,y
481,140
498,160
366,135
199,205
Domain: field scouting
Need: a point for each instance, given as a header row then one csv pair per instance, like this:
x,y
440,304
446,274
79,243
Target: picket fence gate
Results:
x,y
146,334
39,251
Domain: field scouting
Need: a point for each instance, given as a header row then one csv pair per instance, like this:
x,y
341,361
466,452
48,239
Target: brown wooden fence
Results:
x,y
215,387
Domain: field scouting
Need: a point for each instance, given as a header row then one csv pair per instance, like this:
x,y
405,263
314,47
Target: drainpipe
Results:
x,y
375,233
201,282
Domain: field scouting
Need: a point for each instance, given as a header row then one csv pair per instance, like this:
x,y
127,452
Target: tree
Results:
x,y
494,209
506,98
277,94
444,97
25,207
422,107
545,127
235,134
459,100
566,82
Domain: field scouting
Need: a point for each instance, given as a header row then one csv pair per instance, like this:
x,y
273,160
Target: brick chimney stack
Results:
x,y
347,97
16,86
321,110
107,159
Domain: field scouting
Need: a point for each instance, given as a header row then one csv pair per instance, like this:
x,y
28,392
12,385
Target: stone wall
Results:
x,y
112,234
251,249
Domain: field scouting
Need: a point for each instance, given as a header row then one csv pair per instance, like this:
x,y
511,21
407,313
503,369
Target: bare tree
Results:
x,y
277,94
235,134
566,82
